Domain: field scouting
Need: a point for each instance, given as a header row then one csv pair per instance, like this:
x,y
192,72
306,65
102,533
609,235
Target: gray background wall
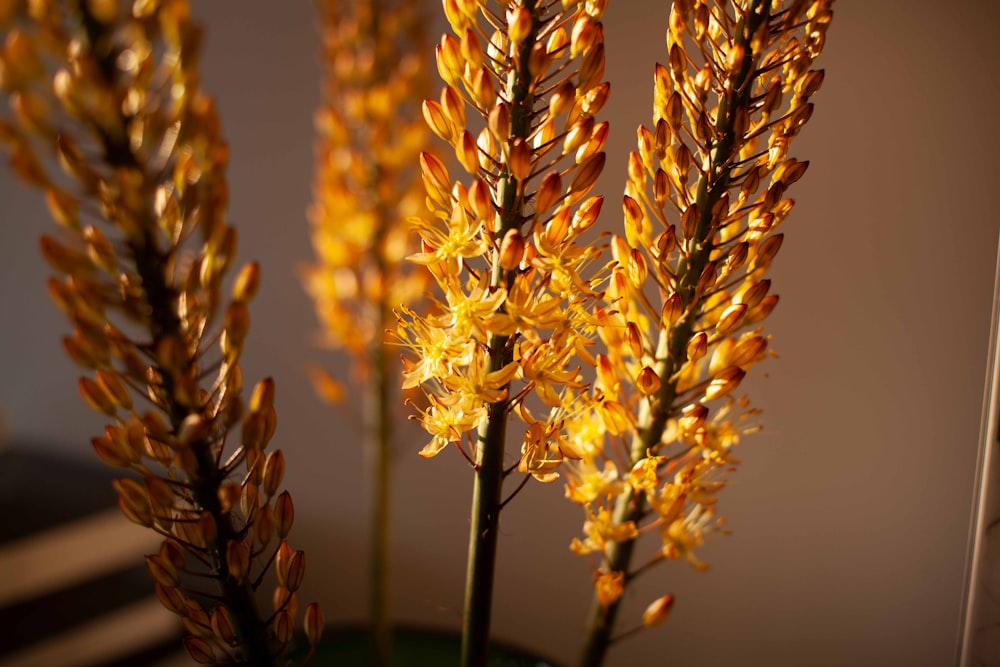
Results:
x,y
850,513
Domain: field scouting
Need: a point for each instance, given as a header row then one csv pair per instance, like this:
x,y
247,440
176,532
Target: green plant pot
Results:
x,y
412,647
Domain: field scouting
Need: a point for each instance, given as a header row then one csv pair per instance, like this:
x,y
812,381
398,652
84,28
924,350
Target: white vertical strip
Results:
x,y
988,441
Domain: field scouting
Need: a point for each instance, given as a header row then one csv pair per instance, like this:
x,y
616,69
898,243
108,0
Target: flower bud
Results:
x,y
313,623
284,514
199,650
247,282
731,318
274,472
238,559
658,611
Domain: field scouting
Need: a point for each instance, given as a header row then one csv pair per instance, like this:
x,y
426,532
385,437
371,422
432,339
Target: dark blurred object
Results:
x,y
74,591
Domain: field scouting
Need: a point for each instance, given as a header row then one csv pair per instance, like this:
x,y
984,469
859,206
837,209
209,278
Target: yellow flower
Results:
x,y
447,423
601,528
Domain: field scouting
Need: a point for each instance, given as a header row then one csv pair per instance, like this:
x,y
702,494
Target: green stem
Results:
x,y
379,445
488,484
672,346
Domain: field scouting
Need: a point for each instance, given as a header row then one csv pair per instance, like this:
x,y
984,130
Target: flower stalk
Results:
x,y
370,136
141,194
731,66
505,252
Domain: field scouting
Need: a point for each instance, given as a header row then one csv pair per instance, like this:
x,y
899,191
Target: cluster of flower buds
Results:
x,y
138,186
688,289
523,87
368,181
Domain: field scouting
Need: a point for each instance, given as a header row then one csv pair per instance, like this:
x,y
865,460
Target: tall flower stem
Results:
x,y
378,449
369,133
488,484
631,507
151,173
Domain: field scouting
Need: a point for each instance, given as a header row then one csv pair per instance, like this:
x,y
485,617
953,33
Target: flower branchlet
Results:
x,y
109,120
705,197
368,183
523,87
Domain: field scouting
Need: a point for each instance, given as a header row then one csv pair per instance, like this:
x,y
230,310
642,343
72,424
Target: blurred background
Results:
x,y
850,513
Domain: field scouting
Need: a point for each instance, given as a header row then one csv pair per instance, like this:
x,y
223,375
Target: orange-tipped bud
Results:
x,y
578,135
274,473
100,250
111,453
263,525
692,418
586,176
767,250
697,347
519,162
283,627
436,180
484,90
284,514
172,599
467,152
61,258
237,322
159,492
731,318
658,611
511,250
313,622
199,650
247,282
204,531
499,122
648,381
453,107
296,571
222,625
588,212
562,99
262,399
672,309
229,496
133,502
519,22
238,559
95,398
549,192
437,121
689,221
726,381
281,560
162,570
114,389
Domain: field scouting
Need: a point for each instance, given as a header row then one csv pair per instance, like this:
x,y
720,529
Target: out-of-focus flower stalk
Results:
x,y
505,250
710,176
110,93
368,183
